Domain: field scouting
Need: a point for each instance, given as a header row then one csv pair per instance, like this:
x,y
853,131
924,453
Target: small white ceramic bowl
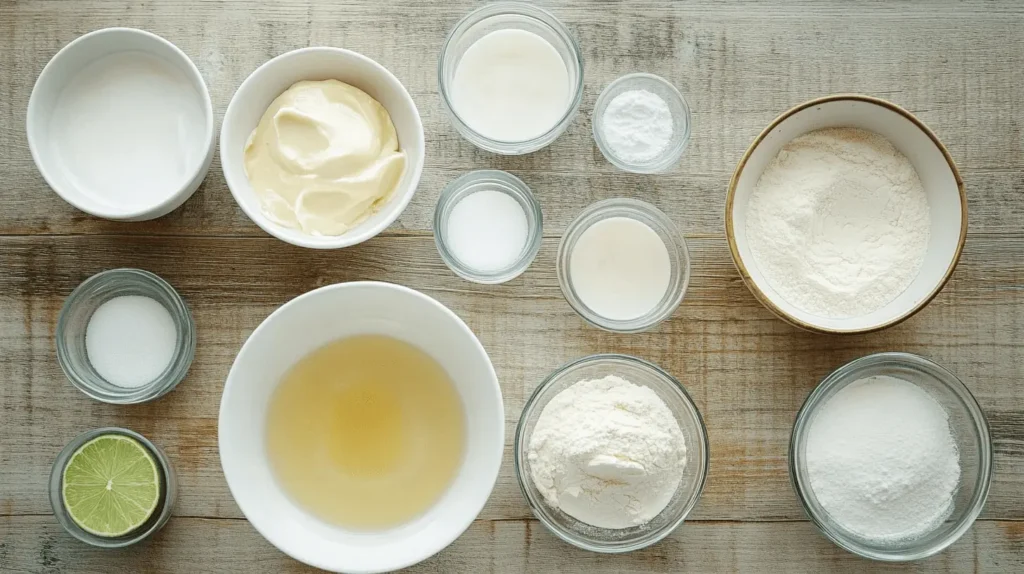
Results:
x,y
934,165
268,82
307,323
62,71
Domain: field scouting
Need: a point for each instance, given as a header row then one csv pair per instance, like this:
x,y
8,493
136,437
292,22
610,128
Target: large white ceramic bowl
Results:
x,y
308,322
46,97
270,80
934,165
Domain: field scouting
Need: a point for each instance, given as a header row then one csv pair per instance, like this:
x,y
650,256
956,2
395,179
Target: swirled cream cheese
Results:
x,y
324,157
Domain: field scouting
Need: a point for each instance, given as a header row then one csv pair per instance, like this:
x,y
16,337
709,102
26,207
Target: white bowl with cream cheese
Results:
x,y
259,91
120,125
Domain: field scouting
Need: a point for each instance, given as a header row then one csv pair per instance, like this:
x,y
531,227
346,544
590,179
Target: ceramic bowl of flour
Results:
x,y
932,481
681,500
916,244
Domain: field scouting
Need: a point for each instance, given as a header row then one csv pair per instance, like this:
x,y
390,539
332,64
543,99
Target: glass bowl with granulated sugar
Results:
x,y
891,457
616,441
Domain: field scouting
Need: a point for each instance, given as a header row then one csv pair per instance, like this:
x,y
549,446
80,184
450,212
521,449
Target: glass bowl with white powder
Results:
x,y
612,440
891,457
125,336
641,123
488,226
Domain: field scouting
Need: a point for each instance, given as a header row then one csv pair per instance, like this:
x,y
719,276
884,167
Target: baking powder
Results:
x,y
607,452
882,460
637,126
838,223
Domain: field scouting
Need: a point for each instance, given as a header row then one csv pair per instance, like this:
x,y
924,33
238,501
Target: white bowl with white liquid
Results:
x,y
120,125
307,323
942,183
269,81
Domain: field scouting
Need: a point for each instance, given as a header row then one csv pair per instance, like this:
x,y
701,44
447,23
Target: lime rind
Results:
x,y
111,485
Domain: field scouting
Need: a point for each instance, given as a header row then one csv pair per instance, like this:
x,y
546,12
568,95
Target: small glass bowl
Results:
x,y
681,121
504,16
492,180
638,372
970,431
679,259
168,492
74,319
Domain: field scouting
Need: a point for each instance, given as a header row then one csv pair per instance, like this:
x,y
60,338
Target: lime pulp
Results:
x,y
111,485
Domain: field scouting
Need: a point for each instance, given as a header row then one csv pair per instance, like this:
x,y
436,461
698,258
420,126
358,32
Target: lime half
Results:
x,y
111,485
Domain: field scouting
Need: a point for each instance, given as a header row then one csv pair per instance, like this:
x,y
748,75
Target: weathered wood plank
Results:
x,y
960,74
37,544
748,371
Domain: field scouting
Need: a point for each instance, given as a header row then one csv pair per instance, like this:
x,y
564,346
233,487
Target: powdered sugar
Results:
x,y
839,222
608,453
882,460
637,126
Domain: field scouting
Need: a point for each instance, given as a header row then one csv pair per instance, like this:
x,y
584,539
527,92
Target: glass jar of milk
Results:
x,y
511,77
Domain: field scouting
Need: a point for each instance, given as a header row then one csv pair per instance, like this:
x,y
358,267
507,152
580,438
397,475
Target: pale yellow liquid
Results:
x,y
366,432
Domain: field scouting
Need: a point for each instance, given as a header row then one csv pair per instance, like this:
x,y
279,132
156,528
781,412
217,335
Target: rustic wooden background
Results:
x,y
958,65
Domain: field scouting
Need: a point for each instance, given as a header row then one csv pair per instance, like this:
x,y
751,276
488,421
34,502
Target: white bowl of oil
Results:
x,y
361,427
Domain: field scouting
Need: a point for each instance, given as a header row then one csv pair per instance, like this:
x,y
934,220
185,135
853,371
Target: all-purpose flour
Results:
x,y
882,460
839,223
607,452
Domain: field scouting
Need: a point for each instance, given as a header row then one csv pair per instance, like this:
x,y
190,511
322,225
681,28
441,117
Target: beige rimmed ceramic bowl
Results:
x,y
942,184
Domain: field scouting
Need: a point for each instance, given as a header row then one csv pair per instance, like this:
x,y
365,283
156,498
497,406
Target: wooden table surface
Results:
x,y
958,65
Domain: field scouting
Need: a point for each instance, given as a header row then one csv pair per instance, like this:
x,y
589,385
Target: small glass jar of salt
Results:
x,y
125,336
487,226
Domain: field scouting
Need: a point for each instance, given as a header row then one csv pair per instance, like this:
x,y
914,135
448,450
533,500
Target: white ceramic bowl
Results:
x,y
308,322
62,70
934,165
270,80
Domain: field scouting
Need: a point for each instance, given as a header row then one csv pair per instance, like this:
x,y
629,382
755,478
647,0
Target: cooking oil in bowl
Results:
x,y
366,432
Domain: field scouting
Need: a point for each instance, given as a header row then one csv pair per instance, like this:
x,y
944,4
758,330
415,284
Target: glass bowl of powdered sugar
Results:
x,y
611,453
641,123
891,457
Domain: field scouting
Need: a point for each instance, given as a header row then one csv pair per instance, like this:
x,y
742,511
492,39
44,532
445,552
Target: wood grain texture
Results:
x,y
958,65
501,547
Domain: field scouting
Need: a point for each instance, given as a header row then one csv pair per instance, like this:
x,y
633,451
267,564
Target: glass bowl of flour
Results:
x,y
611,453
891,457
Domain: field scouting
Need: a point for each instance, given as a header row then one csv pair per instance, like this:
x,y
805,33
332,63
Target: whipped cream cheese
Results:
x,y
324,157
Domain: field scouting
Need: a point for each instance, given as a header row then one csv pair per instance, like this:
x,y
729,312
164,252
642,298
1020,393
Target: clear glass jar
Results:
x,y
168,492
970,432
679,262
686,413
74,319
492,180
503,16
681,121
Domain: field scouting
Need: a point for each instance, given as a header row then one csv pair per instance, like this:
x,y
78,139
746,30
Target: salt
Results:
x,y
487,231
130,340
